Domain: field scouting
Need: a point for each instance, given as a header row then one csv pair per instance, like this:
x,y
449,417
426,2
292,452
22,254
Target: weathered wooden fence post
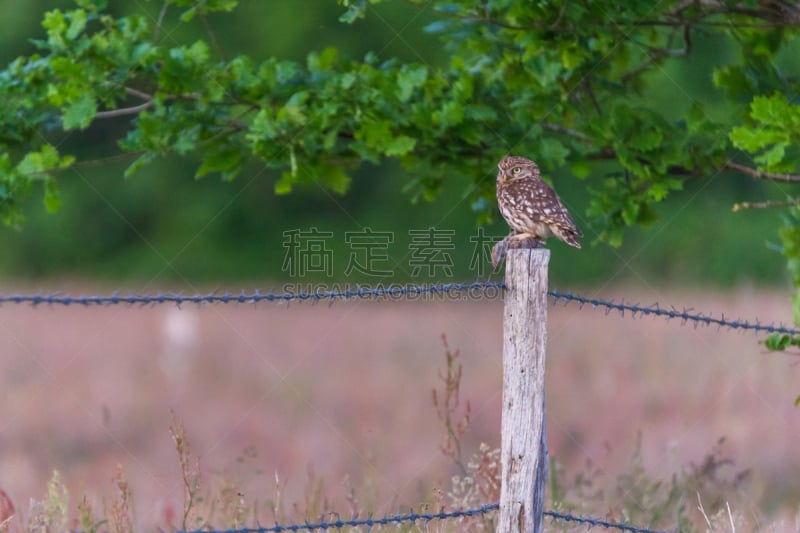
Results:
x,y
524,460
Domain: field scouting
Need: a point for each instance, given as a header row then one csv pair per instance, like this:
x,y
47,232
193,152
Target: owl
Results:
x,y
531,207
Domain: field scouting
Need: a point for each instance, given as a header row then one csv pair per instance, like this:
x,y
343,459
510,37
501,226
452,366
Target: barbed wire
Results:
x,y
684,315
394,292
420,517
359,522
592,522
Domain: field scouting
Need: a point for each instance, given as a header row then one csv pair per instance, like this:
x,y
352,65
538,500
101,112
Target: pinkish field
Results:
x,y
344,390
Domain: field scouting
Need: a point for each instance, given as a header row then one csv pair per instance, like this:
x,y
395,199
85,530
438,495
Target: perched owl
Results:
x,y
531,207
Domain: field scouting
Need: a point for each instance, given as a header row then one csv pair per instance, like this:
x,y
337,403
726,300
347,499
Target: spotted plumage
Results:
x,y
531,207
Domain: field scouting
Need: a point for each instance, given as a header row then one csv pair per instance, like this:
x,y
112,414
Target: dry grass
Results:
x,y
295,408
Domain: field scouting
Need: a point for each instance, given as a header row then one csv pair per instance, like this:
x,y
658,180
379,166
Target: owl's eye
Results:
x,y
516,170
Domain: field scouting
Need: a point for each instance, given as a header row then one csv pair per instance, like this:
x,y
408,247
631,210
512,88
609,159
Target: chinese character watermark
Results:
x,y
367,249
429,249
307,252
482,252
430,252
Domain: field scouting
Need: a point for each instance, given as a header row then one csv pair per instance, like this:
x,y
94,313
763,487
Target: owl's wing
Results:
x,y
545,206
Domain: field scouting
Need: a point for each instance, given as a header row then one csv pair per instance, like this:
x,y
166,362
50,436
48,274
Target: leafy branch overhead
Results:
x,y
568,83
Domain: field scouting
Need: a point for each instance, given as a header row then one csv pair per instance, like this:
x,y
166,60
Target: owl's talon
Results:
x,y
513,242
526,243
499,251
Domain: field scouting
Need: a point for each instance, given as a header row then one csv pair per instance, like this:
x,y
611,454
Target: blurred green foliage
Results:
x,y
391,119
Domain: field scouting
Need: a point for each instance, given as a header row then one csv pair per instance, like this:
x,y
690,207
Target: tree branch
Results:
x,y
658,54
587,84
567,131
137,93
213,37
771,18
161,15
769,203
111,113
106,160
762,175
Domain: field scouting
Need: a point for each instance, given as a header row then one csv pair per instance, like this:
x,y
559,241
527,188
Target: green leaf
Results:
x,y
581,168
55,24
66,162
294,112
630,213
77,22
754,139
771,110
772,156
356,9
733,79
613,236
79,114
553,152
796,295
40,162
92,5
410,78
347,80
438,26
186,140
139,162
649,139
399,145
52,196
198,53
222,5
571,56
207,6
777,342
188,15
336,178
452,114
263,126
647,216
545,72
284,184
745,138
322,61
226,159
374,132
480,112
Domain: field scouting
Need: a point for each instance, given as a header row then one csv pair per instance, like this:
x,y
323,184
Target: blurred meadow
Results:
x,y
296,409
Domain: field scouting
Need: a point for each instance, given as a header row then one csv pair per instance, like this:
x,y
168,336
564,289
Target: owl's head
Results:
x,y
515,167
